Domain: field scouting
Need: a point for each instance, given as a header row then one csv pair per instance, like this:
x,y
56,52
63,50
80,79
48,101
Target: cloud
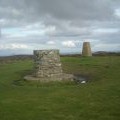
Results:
x,y
50,42
105,31
117,12
70,44
13,46
105,47
49,23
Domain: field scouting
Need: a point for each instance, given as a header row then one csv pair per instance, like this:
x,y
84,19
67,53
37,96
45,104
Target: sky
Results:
x,y
27,25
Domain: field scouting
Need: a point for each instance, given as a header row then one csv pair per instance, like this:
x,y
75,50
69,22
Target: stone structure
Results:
x,y
47,63
86,51
47,67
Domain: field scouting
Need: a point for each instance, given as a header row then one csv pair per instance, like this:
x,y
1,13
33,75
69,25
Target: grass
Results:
x,y
99,99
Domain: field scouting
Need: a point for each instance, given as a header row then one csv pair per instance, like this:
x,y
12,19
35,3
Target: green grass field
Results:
x,y
99,99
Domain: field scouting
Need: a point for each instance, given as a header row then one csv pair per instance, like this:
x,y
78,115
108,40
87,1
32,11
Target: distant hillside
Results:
x,y
104,53
8,59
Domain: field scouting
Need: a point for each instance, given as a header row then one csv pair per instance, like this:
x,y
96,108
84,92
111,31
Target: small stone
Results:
x,y
83,82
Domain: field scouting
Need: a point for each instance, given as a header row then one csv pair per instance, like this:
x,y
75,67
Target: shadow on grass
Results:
x,y
80,78
21,81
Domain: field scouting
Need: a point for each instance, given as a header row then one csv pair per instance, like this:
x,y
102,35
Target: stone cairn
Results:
x,y
47,67
86,51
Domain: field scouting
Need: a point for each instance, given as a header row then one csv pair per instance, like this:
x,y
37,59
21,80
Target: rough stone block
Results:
x,y
47,67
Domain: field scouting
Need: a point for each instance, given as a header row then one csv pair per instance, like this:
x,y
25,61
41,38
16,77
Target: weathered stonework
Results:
x,y
86,51
47,67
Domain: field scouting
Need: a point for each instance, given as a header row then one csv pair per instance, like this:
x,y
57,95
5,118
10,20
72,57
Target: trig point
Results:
x,y
47,67
47,63
86,51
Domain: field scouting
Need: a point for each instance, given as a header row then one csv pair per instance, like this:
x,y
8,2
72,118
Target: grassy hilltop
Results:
x,y
99,99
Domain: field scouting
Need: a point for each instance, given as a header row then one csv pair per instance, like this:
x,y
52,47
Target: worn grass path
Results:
x,y
99,99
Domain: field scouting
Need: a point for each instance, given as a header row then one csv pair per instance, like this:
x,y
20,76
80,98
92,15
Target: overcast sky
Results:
x,y
26,25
